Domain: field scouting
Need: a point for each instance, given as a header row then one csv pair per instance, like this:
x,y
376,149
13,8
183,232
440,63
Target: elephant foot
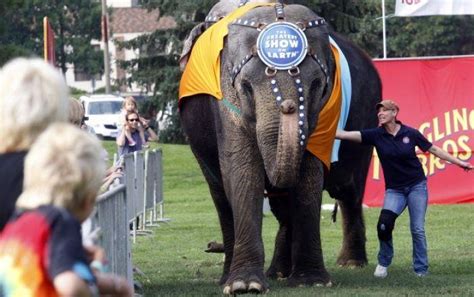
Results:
x,y
279,273
243,283
307,279
351,263
352,260
223,279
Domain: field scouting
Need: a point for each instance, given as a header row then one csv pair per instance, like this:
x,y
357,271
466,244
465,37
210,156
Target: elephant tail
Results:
x,y
334,212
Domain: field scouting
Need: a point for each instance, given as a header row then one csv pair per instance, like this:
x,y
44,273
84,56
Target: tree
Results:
x,y
430,36
75,24
8,48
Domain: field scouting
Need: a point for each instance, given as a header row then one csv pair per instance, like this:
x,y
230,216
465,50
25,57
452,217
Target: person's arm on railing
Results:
x,y
109,180
113,285
107,283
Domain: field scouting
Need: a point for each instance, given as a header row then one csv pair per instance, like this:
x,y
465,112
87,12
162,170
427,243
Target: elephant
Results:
x,y
254,141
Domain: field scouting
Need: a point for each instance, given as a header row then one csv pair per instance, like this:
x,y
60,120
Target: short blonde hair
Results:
x,y
33,94
130,99
64,168
76,112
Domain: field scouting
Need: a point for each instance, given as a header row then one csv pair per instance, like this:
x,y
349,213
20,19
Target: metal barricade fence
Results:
x,y
129,163
158,196
124,205
150,183
144,183
140,185
110,216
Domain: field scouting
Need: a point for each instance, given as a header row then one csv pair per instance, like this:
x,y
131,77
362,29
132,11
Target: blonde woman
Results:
x,y
42,242
33,94
76,113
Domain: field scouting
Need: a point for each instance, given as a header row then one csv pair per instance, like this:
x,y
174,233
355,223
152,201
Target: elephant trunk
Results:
x,y
282,165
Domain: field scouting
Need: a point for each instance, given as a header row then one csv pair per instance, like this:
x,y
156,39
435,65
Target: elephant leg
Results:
x,y
305,209
244,184
281,262
224,213
353,252
347,184
201,134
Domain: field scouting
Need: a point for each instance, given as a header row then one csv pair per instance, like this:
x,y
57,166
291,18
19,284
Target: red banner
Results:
x,y
49,44
436,96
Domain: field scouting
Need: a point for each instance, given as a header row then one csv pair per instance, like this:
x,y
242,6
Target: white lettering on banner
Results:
x,y
433,7
410,2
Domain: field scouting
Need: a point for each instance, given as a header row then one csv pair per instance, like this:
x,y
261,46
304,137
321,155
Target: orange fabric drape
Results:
x,y
322,139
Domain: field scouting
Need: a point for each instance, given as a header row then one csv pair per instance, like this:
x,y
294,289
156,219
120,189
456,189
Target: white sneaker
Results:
x,y
380,271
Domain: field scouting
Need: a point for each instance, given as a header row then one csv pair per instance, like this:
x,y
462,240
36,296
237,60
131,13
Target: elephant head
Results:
x,y
279,107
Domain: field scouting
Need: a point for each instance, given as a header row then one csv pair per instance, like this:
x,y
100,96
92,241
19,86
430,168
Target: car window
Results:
x,y
104,107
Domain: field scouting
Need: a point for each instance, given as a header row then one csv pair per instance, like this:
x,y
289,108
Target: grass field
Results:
x,y
175,264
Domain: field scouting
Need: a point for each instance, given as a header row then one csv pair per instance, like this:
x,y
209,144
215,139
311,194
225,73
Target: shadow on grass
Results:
x,y
184,288
447,279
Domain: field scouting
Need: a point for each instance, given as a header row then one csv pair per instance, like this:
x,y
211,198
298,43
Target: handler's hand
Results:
x,y
466,166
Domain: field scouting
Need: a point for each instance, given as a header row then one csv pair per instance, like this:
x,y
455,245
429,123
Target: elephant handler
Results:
x,y
405,181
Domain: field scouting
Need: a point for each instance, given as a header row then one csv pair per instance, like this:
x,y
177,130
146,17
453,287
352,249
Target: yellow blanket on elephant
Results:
x,y
202,76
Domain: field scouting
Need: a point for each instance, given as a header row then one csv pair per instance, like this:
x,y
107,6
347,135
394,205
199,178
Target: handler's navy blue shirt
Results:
x,y
401,167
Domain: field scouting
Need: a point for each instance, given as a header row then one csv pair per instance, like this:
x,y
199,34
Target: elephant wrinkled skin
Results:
x,y
243,154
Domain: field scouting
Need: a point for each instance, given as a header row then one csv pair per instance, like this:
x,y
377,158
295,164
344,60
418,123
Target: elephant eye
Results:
x,y
247,90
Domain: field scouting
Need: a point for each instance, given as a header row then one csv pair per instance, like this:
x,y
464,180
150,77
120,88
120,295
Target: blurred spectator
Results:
x,y
113,177
76,113
130,127
150,121
33,94
130,105
41,249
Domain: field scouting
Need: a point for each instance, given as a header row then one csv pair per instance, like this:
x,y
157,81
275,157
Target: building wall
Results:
x,y
124,54
122,3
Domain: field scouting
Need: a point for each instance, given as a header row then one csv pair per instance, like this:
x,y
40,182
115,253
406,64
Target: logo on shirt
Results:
x,y
406,140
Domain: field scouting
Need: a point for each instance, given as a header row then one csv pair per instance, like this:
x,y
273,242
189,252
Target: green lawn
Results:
x,y
175,264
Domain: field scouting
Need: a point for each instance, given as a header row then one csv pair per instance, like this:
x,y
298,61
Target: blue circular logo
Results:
x,y
282,45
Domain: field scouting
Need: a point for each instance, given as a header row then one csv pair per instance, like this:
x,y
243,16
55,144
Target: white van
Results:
x,y
102,114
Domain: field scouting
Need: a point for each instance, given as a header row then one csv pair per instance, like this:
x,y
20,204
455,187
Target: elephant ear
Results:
x,y
189,42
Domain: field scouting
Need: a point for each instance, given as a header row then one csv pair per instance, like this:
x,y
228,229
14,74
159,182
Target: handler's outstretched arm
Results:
x,y
442,154
349,135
